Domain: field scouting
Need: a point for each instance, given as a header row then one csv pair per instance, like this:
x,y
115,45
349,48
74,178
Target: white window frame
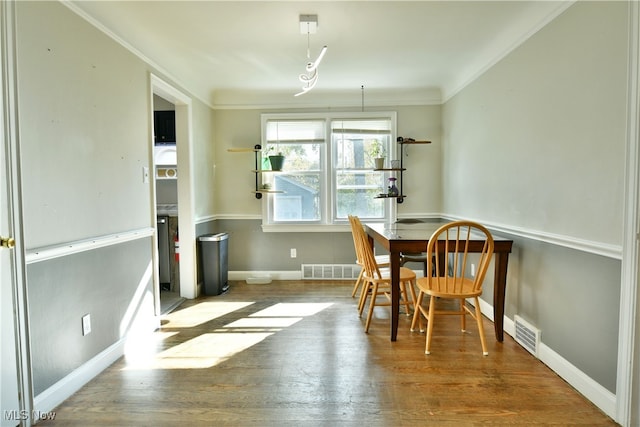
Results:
x,y
328,173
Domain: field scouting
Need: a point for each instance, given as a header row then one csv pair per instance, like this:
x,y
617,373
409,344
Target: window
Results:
x,y
328,171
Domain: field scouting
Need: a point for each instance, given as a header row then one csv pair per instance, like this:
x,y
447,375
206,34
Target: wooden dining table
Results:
x,y
398,237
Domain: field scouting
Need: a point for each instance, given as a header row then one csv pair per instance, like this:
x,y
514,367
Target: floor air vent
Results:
x,y
330,271
527,335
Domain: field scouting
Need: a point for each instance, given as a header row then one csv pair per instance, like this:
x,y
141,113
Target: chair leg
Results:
x,y
412,284
357,284
405,295
483,341
366,287
432,315
372,304
417,312
463,316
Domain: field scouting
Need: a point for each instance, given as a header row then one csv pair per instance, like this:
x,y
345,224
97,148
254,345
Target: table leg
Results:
x,y
499,288
394,259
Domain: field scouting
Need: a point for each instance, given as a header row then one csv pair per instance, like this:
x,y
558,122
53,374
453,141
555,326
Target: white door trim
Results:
x,y
628,379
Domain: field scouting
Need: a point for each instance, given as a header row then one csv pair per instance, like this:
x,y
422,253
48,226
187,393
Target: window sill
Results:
x,y
306,228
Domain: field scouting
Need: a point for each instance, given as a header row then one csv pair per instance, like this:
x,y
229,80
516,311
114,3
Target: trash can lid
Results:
x,y
213,237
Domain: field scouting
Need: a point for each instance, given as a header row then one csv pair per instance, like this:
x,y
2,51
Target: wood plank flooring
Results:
x,y
295,354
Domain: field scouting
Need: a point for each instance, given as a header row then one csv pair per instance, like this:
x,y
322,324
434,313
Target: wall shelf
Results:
x,y
402,142
257,149
243,150
385,196
411,141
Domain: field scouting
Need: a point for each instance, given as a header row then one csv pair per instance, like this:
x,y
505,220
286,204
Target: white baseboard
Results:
x,y
600,396
52,397
49,399
275,275
585,385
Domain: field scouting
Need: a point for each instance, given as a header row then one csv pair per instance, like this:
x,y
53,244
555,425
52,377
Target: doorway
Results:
x,y
166,193
184,217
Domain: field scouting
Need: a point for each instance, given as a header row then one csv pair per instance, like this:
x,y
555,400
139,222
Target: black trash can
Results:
x,y
214,256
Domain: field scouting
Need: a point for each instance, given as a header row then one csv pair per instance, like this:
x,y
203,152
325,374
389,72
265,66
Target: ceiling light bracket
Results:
x,y
308,24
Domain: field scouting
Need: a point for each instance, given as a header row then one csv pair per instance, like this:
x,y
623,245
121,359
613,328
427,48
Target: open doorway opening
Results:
x,y
175,179
166,192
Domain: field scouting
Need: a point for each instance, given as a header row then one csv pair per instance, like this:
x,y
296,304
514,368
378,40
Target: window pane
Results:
x,y
300,200
358,142
360,202
356,185
298,157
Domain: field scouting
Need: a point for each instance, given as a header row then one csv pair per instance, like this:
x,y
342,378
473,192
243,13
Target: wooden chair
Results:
x,y
449,259
381,260
378,280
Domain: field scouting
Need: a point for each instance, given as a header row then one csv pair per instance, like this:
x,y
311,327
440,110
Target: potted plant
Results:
x,y
377,152
276,160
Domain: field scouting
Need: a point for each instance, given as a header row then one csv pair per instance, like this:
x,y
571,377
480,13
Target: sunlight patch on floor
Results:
x,y
142,347
203,351
292,309
211,348
201,313
261,322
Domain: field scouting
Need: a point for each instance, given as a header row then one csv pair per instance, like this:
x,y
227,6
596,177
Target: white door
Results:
x,y
11,411
14,411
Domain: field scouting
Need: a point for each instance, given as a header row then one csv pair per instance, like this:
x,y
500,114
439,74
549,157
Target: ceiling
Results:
x,y
236,54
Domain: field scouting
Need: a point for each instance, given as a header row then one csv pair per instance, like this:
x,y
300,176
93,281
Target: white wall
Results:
x,y
538,141
84,129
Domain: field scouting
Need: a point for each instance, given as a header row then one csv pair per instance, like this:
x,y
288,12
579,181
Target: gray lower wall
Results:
x,y
573,297
112,284
251,249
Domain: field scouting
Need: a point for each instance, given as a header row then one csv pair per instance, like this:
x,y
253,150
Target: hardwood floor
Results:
x,y
295,354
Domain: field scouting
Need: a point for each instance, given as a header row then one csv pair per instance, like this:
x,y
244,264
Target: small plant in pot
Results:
x,y
276,160
377,152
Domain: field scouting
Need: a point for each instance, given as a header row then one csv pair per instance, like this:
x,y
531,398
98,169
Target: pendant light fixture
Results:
x,y
309,24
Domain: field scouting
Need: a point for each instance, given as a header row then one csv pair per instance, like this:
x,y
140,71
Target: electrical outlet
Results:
x,y
473,270
145,175
86,324
294,253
